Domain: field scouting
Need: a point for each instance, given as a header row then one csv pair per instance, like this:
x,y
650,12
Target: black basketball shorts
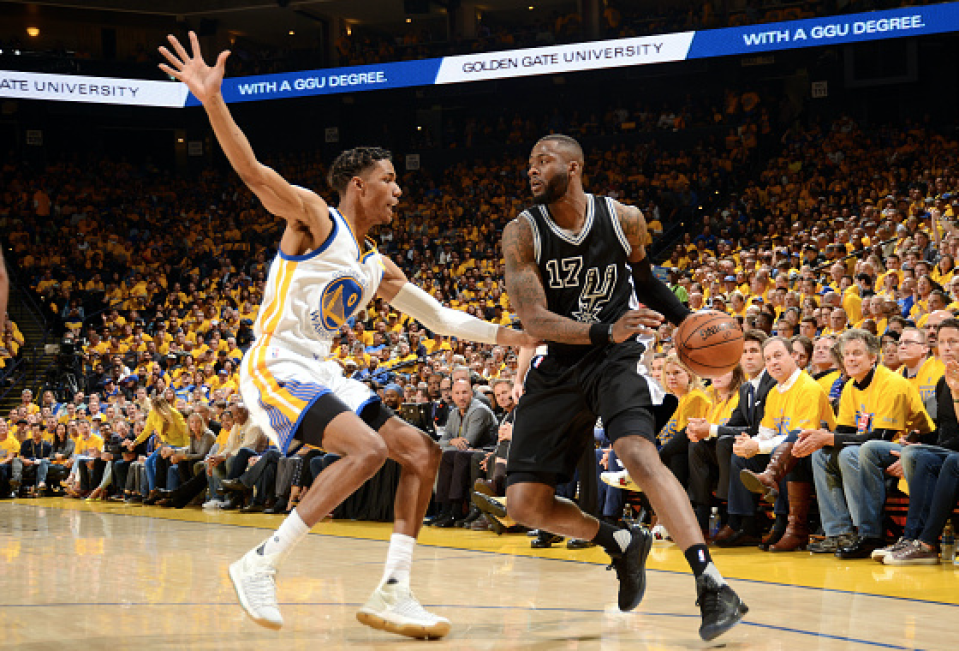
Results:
x,y
556,416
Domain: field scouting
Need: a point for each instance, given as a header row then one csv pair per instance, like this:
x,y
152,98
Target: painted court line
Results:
x,y
498,553
796,631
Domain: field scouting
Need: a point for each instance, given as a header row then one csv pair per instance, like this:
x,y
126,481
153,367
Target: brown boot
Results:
x,y
766,483
797,531
724,534
487,487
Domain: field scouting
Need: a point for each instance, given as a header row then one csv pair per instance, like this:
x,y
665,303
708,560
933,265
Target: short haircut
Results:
x,y
921,333
870,340
575,149
771,340
948,323
805,342
352,162
756,335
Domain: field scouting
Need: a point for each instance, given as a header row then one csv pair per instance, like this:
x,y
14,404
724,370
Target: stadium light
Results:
x,y
33,32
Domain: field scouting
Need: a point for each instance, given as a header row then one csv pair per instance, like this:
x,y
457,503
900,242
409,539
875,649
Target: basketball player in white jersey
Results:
x,y
325,271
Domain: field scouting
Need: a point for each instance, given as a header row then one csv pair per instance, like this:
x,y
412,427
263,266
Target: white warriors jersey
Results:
x,y
308,297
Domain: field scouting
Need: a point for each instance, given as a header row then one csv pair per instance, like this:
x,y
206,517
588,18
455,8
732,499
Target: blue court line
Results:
x,y
592,611
544,558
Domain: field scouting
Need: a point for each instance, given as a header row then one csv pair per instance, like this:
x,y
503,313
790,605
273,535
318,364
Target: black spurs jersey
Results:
x,y
586,276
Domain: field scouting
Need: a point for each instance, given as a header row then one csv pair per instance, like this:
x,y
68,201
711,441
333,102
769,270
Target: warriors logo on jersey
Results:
x,y
337,303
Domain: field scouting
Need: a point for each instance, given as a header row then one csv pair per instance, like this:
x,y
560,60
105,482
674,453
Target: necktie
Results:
x,y
750,401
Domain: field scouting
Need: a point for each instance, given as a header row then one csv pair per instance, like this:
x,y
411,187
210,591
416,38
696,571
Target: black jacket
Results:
x,y
741,419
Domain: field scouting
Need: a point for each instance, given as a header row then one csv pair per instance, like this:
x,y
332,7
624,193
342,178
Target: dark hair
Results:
x,y
756,335
805,342
948,323
352,162
566,141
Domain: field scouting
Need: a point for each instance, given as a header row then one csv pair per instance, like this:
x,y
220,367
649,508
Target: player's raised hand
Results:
x,y
642,321
202,80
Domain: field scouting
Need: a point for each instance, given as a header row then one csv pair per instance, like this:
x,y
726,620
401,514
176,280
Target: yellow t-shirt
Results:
x,y
432,346
83,446
889,402
803,406
826,381
695,404
926,379
722,410
9,445
853,306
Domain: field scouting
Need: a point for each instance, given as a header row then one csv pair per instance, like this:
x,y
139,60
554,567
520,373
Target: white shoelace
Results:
x,y
408,606
260,588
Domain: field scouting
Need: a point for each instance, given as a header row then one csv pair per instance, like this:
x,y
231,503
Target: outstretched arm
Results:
x,y
277,195
399,292
649,290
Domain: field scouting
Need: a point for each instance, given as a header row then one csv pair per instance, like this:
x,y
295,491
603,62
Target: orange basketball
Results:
x,y
709,342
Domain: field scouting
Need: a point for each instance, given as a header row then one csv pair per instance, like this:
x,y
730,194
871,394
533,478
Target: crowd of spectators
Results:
x,y
154,282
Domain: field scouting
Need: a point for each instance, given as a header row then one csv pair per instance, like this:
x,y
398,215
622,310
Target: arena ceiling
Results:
x,y
274,15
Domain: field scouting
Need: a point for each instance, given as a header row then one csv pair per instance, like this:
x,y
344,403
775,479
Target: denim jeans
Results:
x,y
151,468
874,458
909,457
943,499
42,471
838,488
925,462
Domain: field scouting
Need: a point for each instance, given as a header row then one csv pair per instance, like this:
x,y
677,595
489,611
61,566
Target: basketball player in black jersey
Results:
x,y
575,266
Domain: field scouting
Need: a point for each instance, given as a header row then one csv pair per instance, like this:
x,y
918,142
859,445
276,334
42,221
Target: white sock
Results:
x,y
290,533
399,558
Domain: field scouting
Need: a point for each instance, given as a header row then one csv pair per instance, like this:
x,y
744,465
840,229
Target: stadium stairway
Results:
x,y
36,355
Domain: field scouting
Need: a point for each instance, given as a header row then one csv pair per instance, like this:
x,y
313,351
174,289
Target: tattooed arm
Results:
x,y
524,286
649,290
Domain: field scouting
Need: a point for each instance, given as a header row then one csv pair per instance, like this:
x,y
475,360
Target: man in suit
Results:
x,y
711,444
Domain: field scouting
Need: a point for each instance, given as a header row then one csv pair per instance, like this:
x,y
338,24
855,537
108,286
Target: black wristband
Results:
x,y
599,334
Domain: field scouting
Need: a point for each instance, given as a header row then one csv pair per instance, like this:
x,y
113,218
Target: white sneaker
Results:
x,y
393,608
213,504
253,579
620,479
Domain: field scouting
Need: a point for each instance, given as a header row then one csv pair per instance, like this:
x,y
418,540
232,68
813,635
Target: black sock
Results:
x,y
735,522
702,516
499,477
608,539
698,558
749,524
781,522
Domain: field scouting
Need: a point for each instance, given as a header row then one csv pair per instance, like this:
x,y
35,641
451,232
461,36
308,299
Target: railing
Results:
x,y
24,308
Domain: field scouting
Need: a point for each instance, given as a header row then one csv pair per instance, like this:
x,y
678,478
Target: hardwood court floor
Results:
x,y
103,576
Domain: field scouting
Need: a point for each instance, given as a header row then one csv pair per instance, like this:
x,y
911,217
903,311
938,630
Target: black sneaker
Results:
x,y
630,568
545,540
721,607
492,505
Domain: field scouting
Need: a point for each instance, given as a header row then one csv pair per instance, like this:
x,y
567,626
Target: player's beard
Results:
x,y
553,190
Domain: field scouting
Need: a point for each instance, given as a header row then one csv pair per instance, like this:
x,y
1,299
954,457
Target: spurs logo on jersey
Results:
x,y
586,275
595,294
